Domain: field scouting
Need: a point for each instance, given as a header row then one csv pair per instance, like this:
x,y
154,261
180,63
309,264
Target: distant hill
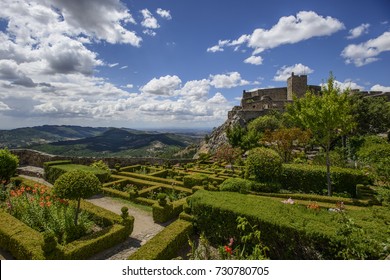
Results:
x,y
27,136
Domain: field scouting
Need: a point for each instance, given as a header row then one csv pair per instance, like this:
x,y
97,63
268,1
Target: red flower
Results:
x,y
228,250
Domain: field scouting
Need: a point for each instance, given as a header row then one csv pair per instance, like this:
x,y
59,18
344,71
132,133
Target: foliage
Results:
x,y
166,244
336,158
265,165
54,171
264,123
194,180
284,140
8,165
235,135
226,153
75,185
43,212
327,115
371,114
289,231
100,164
236,185
311,179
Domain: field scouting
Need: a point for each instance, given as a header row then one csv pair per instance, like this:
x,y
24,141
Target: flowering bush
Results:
x,y
44,212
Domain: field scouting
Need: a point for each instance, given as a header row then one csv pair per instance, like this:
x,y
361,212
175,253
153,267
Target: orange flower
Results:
x,y
48,197
228,250
12,193
42,204
48,204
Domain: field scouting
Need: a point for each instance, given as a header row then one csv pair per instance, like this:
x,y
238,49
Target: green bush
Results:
x,y
166,244
336,159
101,165
8,165
265,165
162,214
190,181
312,179
236,185
269,187
54,171
289,231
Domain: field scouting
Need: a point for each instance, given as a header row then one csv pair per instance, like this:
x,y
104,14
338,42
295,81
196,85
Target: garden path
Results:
x,y
144,227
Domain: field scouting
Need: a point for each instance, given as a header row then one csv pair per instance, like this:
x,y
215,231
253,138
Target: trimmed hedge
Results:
x,y
162,214
190,181
236,185
166,244
26,243
53,171
23,242
152,178
290,231
312,179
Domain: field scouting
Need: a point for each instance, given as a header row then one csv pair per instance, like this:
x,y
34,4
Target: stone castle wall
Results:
x,y
35,158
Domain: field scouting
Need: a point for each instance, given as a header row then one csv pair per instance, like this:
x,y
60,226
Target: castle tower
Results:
x,y
296,85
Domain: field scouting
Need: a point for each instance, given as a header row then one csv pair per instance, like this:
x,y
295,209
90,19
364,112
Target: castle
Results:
x,y
259,102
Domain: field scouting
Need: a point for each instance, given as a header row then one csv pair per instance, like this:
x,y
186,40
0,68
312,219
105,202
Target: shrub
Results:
x,y
166,244
101,165
289,231
8,165
236,185
265,165
336,159
75,185
312,179
190,181
54,171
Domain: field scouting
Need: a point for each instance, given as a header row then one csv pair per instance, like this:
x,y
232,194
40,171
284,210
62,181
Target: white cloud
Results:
x,y
149,32
4,107
166,14
196,89
366,52
229,80
299,69
347,84
101,19
219,47
164,86
358,31
124,67
288,30
149,20
378,87
129,86
255,60
112,65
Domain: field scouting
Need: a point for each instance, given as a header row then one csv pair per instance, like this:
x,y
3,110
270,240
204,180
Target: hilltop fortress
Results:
x,y
258,102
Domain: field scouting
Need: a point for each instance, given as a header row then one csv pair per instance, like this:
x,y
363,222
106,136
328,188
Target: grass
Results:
x,y
144,208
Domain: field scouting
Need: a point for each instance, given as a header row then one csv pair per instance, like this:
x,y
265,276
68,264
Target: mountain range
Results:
x,y
98,141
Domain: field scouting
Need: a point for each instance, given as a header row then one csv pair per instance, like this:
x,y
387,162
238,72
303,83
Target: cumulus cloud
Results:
x,y
289,30
255,60
166,14
165,86
346,85
299,69
378,87
101,19
149,20
358,31
11,72
367,52
229,80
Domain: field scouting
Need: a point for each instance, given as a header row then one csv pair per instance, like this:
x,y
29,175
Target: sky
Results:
x,y
177,63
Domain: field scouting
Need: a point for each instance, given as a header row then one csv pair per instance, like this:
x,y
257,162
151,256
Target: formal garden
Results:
x,y
312,183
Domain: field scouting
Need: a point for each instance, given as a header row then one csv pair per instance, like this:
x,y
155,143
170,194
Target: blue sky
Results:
x,y
161,64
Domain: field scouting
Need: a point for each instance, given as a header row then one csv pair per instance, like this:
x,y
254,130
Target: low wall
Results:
x,y
35,158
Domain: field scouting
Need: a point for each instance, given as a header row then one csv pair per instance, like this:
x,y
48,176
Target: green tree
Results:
x,y
372,115
76,184
227,153
8,165
235,135
327,115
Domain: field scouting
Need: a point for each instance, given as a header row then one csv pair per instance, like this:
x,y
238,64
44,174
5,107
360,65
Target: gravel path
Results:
x,y
144,227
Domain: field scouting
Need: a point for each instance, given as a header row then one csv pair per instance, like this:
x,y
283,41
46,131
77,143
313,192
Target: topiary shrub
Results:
x,y
236,185
263,164
190,181
8,165
76,184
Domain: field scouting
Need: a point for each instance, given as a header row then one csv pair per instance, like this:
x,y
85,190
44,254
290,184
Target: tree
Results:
x,y
8,165
372,114
227,153
76,184
284,140
327,115
235,135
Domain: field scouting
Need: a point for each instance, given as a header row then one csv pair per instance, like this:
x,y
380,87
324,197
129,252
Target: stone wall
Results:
x,y
35,158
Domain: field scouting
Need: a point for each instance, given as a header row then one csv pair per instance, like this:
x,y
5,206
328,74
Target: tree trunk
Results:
x,y
329,182
77,211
